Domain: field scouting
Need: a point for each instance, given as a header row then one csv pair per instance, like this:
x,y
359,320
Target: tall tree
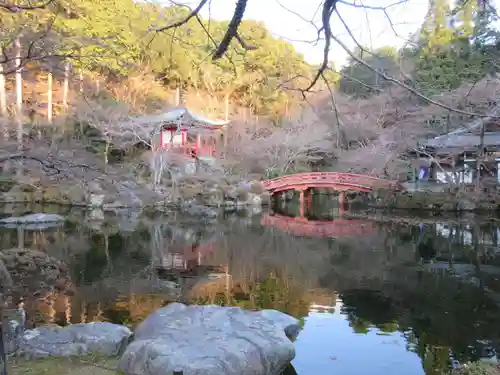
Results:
x,y
358,80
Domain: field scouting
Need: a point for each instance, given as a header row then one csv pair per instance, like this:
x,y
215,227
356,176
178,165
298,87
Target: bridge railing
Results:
x,y
328,178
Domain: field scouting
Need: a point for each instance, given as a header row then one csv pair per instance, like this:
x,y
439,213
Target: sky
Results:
x,y
290,20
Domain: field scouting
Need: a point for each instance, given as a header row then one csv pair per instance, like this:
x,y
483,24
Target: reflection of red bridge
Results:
x,y
341,182
308,228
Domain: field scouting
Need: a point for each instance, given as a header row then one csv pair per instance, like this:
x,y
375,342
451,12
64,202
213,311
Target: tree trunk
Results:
x,y
81,81
226,112
49,96
177,97
66,87
182,97
19,95
3,102
106,151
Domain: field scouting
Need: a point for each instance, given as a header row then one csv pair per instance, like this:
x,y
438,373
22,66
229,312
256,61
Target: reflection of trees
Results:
x,y
381,284
133,308
270,292
440,317
365,309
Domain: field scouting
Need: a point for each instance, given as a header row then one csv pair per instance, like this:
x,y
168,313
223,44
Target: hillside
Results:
x,y
68,174
99,67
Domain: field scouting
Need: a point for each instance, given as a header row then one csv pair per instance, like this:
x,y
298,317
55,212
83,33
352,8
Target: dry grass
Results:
x,y
64,366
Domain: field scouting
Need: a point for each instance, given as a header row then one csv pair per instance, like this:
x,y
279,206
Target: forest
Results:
x,y
364,115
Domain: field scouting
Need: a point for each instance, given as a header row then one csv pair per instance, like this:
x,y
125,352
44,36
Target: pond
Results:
x,y
377,293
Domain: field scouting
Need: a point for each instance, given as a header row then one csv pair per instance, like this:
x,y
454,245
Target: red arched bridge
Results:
x,y
332,180
338,181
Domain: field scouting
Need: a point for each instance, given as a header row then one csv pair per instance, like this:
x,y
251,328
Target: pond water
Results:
x,y
377,294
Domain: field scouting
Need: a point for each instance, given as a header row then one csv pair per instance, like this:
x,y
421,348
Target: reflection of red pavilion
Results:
x,y
187,256
301,226
181,131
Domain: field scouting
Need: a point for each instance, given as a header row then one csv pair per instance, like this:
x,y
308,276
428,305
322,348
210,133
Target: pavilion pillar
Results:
x,y
183,141
302,201
225,133
341,203
198,143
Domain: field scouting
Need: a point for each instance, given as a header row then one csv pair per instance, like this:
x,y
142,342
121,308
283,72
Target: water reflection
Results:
x,y
415,296
329,339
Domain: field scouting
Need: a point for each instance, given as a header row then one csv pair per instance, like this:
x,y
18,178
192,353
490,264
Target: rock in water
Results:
x,y
78,339
210,340
33,221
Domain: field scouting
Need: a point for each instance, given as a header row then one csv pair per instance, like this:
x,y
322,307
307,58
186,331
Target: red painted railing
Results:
x,y
334,180
310,228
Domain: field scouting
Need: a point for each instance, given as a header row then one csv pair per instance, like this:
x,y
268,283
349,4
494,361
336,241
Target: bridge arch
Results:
x,y
337,181
334,180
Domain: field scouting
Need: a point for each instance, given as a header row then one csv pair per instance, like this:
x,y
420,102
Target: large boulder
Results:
x,y
210,340
76,340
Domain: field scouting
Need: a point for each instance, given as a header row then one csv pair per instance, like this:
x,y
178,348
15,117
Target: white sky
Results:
x,y
370,27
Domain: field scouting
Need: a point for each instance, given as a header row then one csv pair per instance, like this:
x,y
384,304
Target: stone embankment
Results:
x,y
439,201
190,193
205,198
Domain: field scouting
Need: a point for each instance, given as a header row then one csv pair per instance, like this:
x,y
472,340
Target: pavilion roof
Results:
x,y
178,116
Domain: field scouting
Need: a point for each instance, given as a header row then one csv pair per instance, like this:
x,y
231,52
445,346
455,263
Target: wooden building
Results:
x,y
182,131
452,157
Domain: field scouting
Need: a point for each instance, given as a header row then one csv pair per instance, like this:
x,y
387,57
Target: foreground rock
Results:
x,y
76,340
210,340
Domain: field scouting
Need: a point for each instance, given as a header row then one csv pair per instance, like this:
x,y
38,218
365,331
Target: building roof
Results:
x,y
180,115
466,141
463,137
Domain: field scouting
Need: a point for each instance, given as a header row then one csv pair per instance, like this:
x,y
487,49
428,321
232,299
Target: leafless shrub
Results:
x,y
374,133
290,147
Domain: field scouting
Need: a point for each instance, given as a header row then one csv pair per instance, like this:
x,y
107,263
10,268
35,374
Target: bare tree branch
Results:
x,y
405,86
192,14
232,30
329,7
